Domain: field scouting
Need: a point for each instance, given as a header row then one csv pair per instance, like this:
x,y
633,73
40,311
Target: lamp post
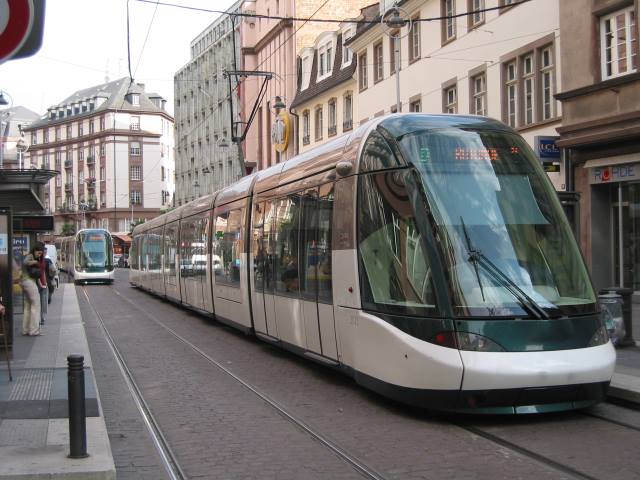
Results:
x,y
21,148
394,22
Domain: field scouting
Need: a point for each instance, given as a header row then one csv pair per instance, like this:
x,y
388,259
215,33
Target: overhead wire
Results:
x,y
331,20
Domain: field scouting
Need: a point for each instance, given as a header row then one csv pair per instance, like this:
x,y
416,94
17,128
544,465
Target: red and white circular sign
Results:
x,y
16,21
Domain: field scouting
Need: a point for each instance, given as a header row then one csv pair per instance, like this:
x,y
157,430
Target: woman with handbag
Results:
x,y
29,281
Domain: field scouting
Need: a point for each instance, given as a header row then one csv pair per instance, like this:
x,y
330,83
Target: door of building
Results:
x,y
625,214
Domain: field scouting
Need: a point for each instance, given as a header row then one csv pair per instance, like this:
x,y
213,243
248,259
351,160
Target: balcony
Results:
x,y
347,125
68,186
91,159
134,127
68,163
306,139
91,183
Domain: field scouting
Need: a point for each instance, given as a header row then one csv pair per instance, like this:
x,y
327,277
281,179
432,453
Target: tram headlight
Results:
x,y
600,337
477,343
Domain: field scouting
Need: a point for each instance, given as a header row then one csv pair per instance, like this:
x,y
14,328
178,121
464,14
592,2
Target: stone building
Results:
x,y
112,146
206,159
600,133
502,63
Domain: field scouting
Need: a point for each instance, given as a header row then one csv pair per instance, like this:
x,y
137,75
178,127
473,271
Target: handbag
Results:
x,y
34,271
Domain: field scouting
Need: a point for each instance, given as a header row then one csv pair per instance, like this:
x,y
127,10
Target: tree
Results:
x,y
68,229
135,224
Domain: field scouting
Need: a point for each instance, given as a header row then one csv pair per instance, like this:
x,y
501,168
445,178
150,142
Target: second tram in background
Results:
x,y
87,256
427,256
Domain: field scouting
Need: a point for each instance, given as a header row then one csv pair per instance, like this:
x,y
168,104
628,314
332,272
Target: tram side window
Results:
x,y
170,249
260,264
315,244
187,237
143,251
377,155
198,246
309,245
325,218
154,250
394,267
269,246
228,247
287,218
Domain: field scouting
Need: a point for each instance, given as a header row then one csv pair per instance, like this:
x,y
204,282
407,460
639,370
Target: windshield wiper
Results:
x,y
478,258
473,256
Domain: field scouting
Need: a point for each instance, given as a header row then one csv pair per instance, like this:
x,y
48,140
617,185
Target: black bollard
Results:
x,y
77,410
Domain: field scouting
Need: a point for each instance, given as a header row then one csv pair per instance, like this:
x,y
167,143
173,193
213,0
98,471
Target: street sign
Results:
x,y
21,28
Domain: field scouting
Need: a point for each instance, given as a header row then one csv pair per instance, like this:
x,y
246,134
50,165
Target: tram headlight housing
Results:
x,y
467,341
477,343
600,337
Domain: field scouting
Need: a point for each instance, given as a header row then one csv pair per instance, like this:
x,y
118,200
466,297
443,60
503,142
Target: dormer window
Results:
x,y
305,67
135,99
325,59
347,54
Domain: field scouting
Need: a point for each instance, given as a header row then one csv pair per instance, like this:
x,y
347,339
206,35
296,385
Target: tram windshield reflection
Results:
x,y
484,187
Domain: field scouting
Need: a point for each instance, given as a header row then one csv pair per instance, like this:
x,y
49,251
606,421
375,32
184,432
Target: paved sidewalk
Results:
x,y
34,425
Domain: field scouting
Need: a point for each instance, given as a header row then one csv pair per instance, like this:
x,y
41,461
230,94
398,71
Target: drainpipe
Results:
x,y
295,131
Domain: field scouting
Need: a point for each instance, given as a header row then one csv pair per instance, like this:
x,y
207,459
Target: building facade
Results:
x,y
600,133
326,86
13,143
272,45
502,63
206,159
112,146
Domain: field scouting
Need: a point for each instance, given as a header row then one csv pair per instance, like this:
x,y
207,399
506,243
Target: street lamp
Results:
x,y
21,148
394,21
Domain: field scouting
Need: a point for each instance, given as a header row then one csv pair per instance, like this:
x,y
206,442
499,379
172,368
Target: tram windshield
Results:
x,y
506,243
93,250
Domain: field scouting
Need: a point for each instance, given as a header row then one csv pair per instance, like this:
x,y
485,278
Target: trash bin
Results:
x,y
627,304
611,308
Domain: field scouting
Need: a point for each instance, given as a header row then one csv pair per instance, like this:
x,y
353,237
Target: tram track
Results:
x,y
542,459
361,467
169,459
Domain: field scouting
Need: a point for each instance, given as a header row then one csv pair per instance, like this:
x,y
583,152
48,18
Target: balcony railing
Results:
x,y
347,125
68,186
306,139
134,126
68,163
333,130
91,160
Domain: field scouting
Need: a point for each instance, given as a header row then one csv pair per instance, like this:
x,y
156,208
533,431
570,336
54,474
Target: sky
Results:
x,y
85,41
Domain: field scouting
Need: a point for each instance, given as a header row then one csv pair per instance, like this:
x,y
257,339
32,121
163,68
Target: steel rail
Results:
x,y
167,456
358,465
525,452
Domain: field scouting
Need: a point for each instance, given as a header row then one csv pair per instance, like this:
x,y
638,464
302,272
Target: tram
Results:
x,y
426,256
87,256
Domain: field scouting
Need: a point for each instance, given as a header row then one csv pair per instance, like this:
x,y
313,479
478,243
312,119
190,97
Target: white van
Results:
x,y
52,253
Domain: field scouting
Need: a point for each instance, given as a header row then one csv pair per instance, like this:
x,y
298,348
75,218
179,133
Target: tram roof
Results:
x,y
401,124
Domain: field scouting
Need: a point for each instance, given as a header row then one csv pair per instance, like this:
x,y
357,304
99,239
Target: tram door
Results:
x,y
262,249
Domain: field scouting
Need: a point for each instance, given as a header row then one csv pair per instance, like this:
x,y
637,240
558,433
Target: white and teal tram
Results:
x,y
87,256
427,256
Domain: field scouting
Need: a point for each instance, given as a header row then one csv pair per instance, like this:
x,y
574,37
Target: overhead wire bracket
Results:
x,y
240,128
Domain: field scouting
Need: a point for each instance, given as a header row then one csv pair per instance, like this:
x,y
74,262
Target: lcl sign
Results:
x,y
21,28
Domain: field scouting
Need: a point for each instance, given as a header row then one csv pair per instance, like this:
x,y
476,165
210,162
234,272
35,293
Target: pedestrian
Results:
x,y
43,288
51,272
29,278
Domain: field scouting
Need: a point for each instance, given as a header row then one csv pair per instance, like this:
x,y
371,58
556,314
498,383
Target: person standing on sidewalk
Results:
x,y
43,289
30,275
51,272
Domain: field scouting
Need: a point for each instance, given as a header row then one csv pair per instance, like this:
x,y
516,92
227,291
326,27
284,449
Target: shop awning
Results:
x,y
122,236
613,160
